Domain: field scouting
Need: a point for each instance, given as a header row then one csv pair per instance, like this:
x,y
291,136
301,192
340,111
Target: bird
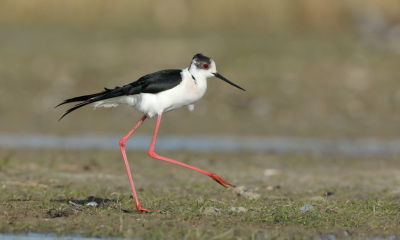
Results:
x,y
155,94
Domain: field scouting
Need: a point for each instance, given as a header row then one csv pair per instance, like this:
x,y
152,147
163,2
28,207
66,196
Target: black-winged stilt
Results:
x,y
153,95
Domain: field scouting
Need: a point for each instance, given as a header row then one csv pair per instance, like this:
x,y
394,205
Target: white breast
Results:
x,y
186,93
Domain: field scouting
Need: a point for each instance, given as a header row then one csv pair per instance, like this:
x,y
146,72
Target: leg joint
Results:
x,y
122,143
152,153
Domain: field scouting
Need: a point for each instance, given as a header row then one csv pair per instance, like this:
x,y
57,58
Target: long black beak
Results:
x,y
226,80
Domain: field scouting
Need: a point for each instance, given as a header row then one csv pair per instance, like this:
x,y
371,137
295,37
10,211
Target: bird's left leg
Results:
x,y
154,155
122,146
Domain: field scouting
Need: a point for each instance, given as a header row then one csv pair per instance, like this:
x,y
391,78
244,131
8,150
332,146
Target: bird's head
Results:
x,y
205,66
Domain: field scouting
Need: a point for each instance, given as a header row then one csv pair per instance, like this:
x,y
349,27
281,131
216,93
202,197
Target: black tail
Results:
x,y
88,99
81,98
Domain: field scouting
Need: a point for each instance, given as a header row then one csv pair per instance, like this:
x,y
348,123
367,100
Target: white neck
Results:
x,y
199,78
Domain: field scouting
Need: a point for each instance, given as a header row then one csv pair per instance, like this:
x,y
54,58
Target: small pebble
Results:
x,y
269,188
307,207
74,204
239,209
241,191
92,204
271,172
212,211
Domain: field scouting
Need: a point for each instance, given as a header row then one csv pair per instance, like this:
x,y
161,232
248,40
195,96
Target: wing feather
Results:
x,y
151,83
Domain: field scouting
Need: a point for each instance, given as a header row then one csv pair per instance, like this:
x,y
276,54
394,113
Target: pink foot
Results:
x,y
141,210
220,180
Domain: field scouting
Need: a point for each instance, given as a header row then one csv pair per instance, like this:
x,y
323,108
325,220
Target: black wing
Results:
x,y
159,81
151,83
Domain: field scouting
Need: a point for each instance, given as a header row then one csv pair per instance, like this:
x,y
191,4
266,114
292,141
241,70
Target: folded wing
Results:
x,y
152,83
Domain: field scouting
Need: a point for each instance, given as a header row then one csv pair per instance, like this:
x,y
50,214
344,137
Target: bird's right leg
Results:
x,y
156,156
122,146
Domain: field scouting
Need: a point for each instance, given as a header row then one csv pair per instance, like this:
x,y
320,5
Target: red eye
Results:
x,y
205,65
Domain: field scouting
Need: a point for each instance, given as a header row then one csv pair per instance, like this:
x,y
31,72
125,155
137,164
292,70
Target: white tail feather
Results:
x,y
114,102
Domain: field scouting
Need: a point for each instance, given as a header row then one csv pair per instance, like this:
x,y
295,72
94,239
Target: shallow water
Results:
x,y
206,143
45,236
48,236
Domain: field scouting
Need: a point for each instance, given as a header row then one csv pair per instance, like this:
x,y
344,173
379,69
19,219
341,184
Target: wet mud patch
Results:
x,y
76,206
64,211
90,201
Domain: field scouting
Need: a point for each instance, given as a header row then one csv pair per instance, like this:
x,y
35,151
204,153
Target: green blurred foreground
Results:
x,y
351,197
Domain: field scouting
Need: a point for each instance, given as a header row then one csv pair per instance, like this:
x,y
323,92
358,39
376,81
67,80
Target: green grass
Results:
x,y
180,218
36,197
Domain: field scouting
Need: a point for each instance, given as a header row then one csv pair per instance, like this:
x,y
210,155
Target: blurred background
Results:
x,y
311,68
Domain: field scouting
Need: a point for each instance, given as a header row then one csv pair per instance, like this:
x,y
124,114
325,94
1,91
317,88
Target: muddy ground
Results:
x,y
48,191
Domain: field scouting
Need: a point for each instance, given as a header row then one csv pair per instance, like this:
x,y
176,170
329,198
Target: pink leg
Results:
x,y
154,155
122,146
